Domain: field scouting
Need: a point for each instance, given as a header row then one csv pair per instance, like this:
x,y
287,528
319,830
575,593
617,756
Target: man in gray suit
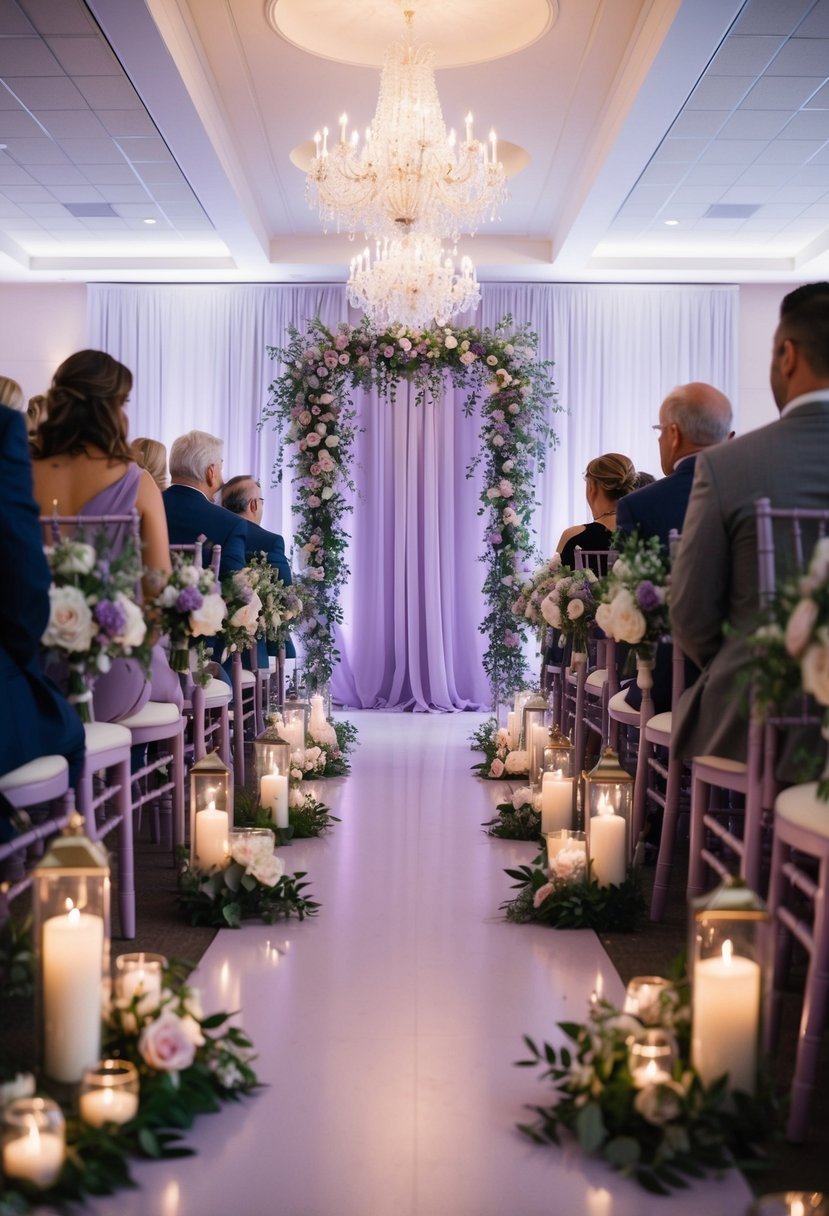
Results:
x,y
715,577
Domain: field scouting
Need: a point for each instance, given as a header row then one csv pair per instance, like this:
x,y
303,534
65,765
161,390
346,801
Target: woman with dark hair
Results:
x,y
607,479
82,465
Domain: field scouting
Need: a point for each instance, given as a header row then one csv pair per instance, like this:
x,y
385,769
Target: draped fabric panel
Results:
x,y
409,637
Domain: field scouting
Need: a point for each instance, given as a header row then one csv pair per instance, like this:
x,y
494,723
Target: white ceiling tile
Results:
x,y
71,124
820,100
103,224
719,92
781,92
46,93
84,56
172,192
818,210
777,213
58,16
748,194
194,225
23,224
663,173
27,57
77,194
124,194
683,151
696,194
45,210
816,25
711,175
821,157
811,175
17,123
802,56
788,152
110,175
808,124
13,21
92,151
137,211
755,124
137,150
745,56
153,173
64,223
760,175
108,92
184,208
698,124
679,210
704,225
36,151
28,194
732,151
801,196
127,122
57,175
12,175
771,16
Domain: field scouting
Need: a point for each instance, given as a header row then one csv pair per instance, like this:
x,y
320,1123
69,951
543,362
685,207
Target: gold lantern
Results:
x,y
558,753
608,810
534,732
211,812
729,960
71,892
272,764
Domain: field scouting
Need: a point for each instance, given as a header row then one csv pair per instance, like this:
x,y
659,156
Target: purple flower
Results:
x,y
102,569
110,617
189,600
495,538
511,639
478,348
647,596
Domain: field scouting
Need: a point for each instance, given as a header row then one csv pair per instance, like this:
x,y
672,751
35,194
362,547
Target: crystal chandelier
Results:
x,y
411,282
408,175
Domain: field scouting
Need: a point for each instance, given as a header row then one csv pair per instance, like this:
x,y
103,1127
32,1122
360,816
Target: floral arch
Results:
x,y
310,403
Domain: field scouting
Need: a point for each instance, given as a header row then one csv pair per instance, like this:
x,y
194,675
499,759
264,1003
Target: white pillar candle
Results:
x,y
273,794
511,730
139,978
72,966
606,845
538,741
37,1157
556,801
108,1105
293,732
211,837
725,1019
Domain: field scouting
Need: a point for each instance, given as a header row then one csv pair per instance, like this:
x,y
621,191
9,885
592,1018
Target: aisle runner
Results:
x,y
388,1028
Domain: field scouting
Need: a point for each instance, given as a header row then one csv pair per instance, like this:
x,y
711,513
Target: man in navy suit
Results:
x,y
35,719
692,417
196,474
243,496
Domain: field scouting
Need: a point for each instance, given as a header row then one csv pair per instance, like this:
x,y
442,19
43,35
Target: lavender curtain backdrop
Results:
x,y
410,635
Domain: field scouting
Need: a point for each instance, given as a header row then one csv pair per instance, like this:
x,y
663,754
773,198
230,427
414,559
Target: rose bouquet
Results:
x,y
518,819
633,597
245,622
188,607
280,605
499,761
535,590
562,894
93,616
570,606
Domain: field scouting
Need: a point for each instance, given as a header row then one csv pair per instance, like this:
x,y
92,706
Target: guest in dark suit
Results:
x,y
243,496
714,601
196,473
35,719
692,417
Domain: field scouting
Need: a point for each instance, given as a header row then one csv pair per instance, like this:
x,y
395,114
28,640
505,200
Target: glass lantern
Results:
x,y
558,753
729,963
211,812
294,727
33,1141
109,1093
791,1203
608,809
140,975
534,732
71,891
652,1053
647,997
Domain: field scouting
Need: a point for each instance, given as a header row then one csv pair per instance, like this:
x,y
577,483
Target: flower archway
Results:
x,y
311,405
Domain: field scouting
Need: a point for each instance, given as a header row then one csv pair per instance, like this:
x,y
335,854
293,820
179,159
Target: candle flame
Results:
x,y
33,1137
798,1208
727,952
74,916
68,904
603,806
558,774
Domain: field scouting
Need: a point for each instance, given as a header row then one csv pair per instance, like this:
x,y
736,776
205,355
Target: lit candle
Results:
x,y
36,1157
108,1105
211,837
55,526
606,842
72,965
725,1019
325,141
537,742
343,124
273,794
469,127
138,977
317,140
650,1073
511,739
493,143
556,801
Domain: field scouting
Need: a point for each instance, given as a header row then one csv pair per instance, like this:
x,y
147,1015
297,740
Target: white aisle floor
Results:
x,y
387,1028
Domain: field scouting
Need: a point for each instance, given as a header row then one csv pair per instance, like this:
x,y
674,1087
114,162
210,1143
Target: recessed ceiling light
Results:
x,y
148,221
672,223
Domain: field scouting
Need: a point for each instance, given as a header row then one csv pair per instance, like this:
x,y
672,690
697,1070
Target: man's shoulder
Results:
x,y
641,502
261,537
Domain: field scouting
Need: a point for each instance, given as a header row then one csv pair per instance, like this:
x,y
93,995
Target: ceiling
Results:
x,y
713,114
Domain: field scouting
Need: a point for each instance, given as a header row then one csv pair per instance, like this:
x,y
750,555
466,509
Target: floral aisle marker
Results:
x,y
311,406
517,819
563,895
252,884
500,760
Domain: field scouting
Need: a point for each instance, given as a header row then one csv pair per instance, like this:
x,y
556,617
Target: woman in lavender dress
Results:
x,y
82,465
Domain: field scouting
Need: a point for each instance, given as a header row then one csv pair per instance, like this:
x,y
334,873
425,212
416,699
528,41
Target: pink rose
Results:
x,y
315,469
330,358
496,769
799,627
541,894
341,341
388,351
313,501
345,358
313,440
169,1043
305,418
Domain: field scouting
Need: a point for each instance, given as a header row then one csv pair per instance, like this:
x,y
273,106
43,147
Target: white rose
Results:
x,y
332,441
522,797
71,626
819,565
604,617
189,574
167,1044
77,558
659,1104
575,609
551,611
814,667
326,493
627,624
516,762
207,620
799,627
135,629
320,428
169,596
296,798
247,617
450,341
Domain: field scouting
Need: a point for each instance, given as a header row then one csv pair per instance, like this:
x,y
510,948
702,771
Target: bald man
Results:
x,y
692,417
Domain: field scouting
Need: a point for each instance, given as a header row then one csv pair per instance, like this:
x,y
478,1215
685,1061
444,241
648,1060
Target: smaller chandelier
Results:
x,y
409,175
411,282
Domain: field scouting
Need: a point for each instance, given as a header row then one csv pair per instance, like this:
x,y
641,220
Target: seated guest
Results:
x,y
35,413
714,598
81,461
607,479
196,473
152,456
643,479
35,719
692,417
243,496
11,394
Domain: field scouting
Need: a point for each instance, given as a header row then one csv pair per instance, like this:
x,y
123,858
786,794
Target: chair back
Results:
x,y
197,550
799,527
56,527
600,561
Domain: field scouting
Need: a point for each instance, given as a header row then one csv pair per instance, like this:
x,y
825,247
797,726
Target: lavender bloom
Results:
x,y
110,617
478,348
102,569
647,596
189,600
495,538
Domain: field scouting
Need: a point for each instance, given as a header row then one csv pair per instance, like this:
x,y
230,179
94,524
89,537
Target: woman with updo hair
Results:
x,y
607,479
82,465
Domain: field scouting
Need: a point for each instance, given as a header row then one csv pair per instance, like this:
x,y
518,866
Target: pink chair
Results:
x,y
41,782
585,687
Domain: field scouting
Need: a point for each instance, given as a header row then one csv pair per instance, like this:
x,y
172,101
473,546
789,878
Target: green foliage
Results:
x,y
17,959
227,897
510,823
575,904
313,818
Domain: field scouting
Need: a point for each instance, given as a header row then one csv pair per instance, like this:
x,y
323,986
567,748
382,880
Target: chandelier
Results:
x,y
411,282
408,175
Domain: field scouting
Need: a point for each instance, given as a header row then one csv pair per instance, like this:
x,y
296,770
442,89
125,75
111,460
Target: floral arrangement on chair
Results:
x,y
281,605
533,590
791,648
188,607
570,606
245,622
93,617
633,605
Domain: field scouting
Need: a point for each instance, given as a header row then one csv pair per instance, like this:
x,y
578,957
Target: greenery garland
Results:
x,y
578,903
311,408
226,897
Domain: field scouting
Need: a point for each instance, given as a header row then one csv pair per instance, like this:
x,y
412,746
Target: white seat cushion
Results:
x,y
720,762
596,679
217,692
801,807
45,768
659,724
101,736
618,705
154,713
248,678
